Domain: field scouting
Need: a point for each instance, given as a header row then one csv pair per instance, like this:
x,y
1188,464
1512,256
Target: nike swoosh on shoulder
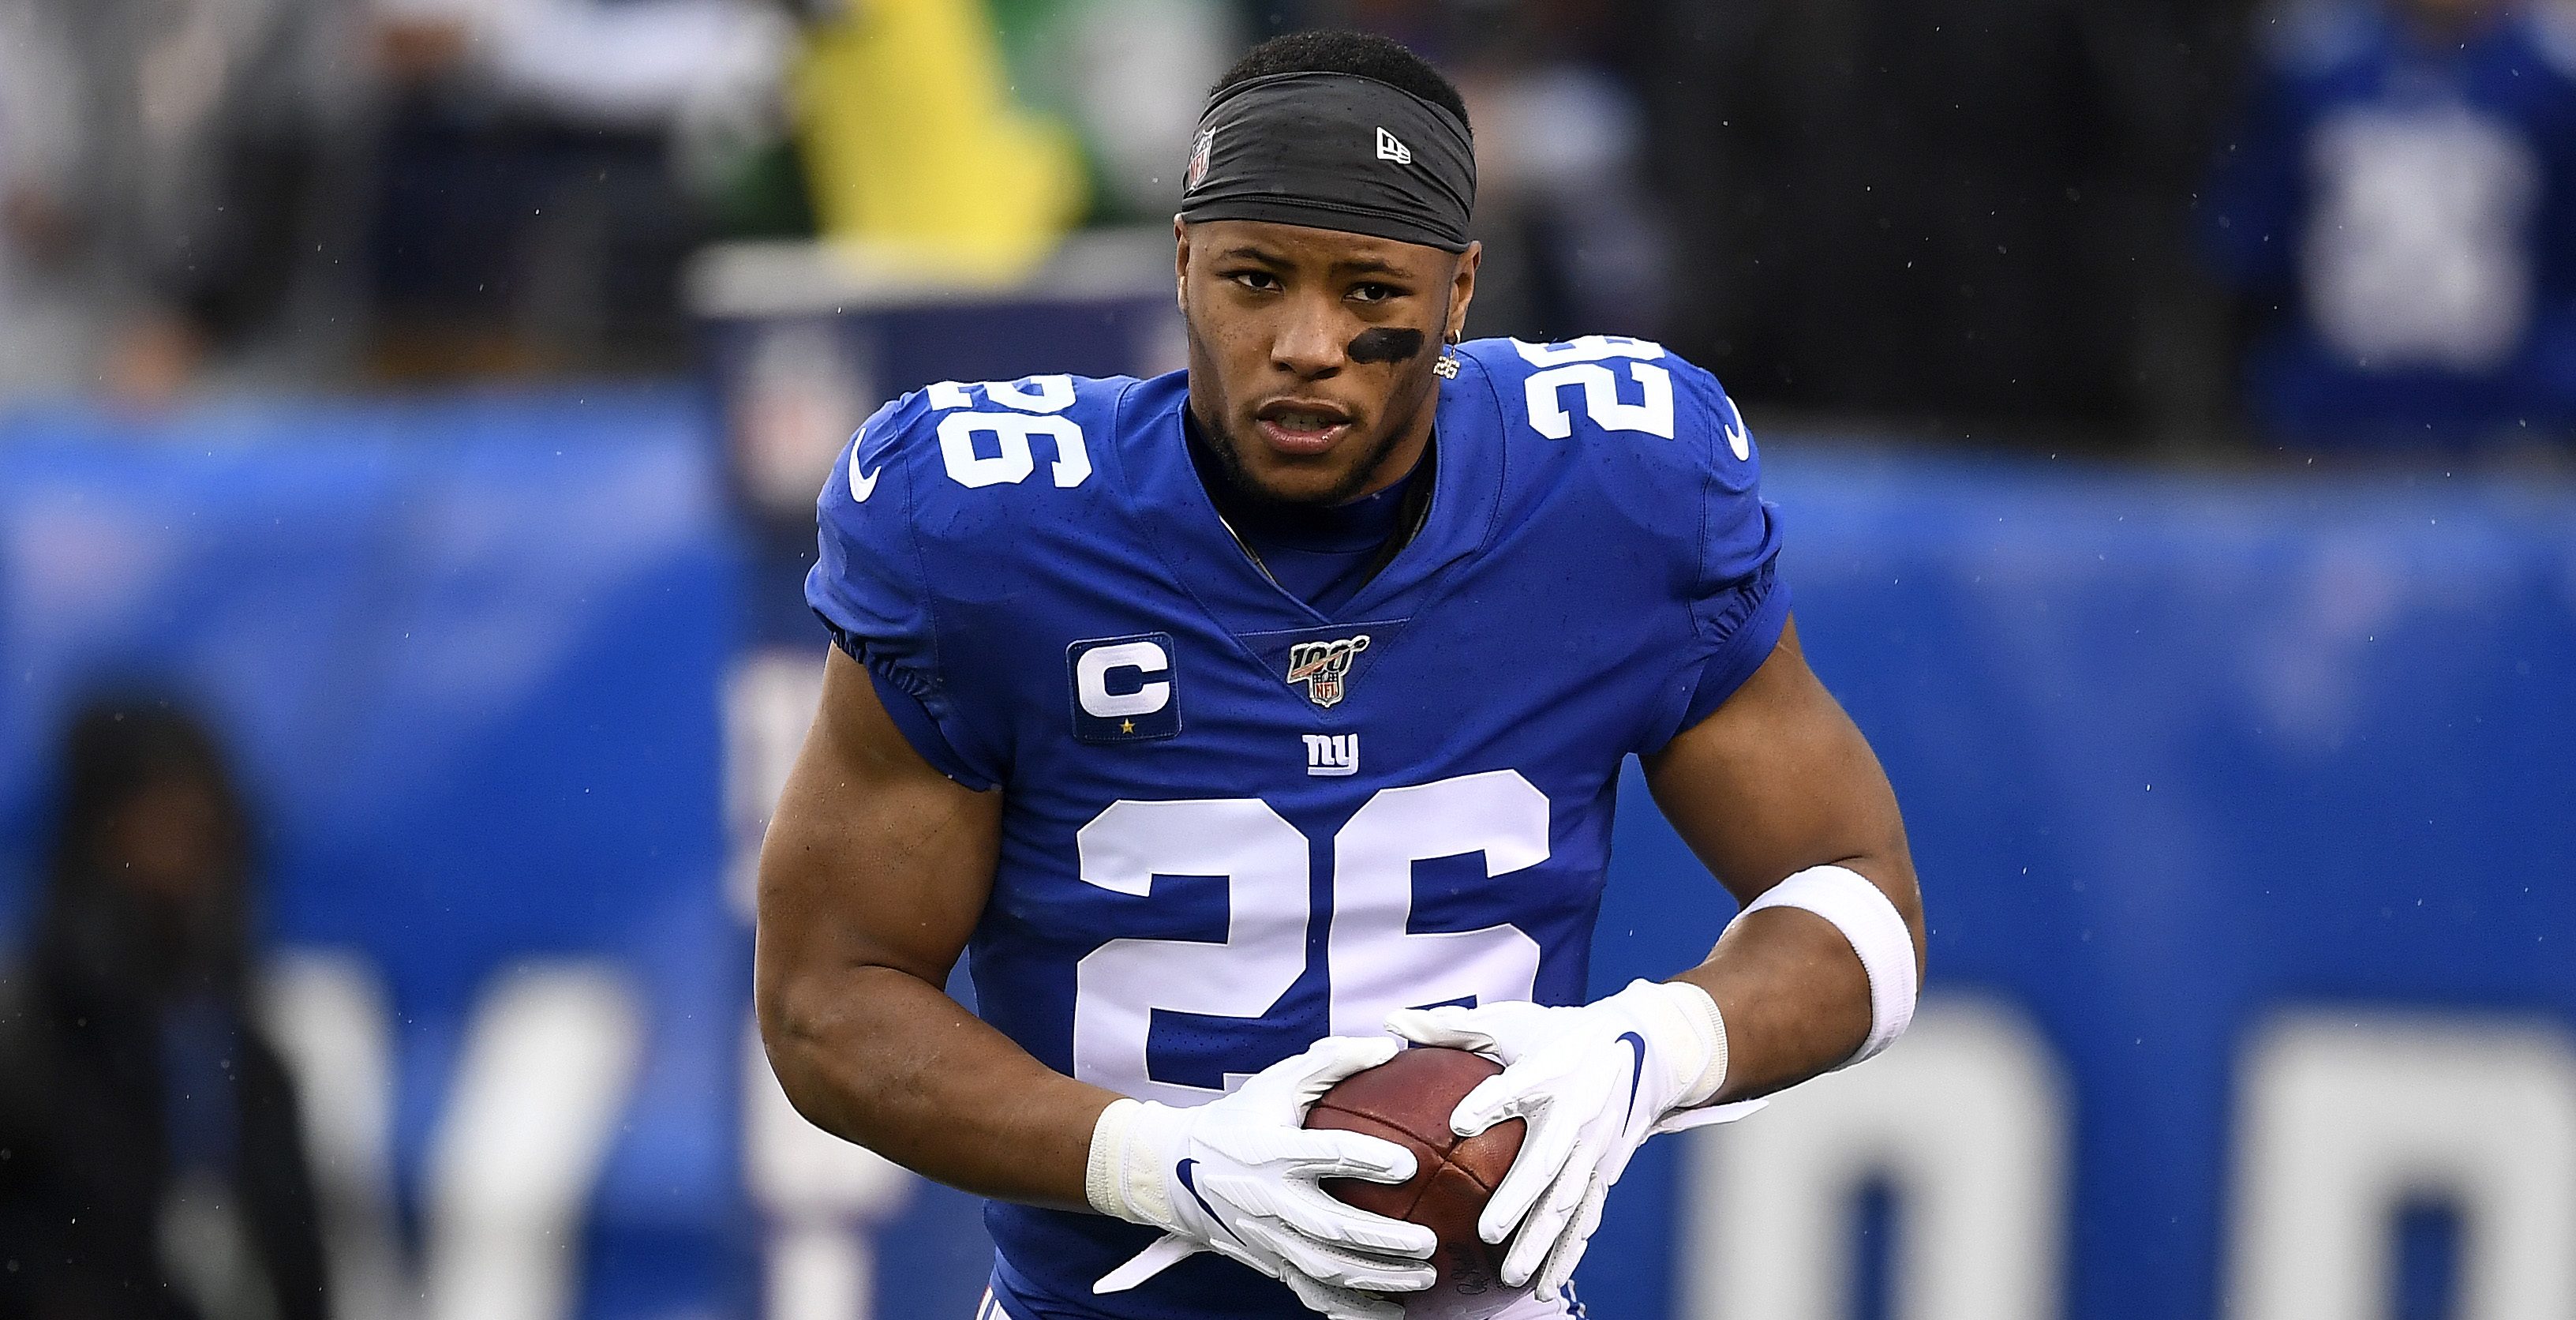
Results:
x,y
863,485
1740,441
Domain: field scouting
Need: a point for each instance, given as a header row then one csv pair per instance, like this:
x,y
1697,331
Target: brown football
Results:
x,y
1408,1100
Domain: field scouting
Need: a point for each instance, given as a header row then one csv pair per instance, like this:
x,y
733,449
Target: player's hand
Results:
x,y
1239,1176
1593,1082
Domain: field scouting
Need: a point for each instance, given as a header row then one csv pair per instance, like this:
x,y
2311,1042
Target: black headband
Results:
x,y
1334,151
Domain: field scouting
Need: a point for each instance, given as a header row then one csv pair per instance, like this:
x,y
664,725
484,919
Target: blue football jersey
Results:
x,y
1232,824
2410,202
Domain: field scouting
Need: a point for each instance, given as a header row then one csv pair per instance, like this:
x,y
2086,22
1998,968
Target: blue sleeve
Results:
x,y
911,716
1739,603
870,586
1750,615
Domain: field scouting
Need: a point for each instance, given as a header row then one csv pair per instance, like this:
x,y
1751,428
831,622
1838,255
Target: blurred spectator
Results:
x,y
1574,245
44,325
151,1153
636,62
918,149
2400,206
547,164
1971,210
1130,76
165,177
1575,240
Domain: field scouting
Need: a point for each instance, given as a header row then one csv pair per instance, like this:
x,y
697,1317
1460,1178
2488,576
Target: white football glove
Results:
x,y
1238,1176
1593,1082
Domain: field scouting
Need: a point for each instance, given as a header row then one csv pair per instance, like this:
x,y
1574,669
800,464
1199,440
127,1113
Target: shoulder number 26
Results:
x,y
1580,362
1024,408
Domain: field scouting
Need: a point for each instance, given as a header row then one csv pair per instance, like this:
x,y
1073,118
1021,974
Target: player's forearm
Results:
x,y
887,1060
1793,987
1793,995
872,877
1778,787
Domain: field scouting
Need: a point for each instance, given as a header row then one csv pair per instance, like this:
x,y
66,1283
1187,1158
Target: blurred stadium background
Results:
x,y
2172,402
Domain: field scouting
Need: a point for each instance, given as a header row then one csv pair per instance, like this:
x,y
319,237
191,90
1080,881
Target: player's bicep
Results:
x,y
873,858
1778,779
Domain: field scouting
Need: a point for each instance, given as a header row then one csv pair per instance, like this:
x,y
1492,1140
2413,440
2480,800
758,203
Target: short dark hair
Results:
x,y
116,748
1361,54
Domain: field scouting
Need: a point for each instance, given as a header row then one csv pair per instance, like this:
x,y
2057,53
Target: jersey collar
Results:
x,y
1182,523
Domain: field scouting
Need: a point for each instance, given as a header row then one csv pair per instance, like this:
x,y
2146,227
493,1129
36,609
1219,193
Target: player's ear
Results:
x,y
1462,291
1181,264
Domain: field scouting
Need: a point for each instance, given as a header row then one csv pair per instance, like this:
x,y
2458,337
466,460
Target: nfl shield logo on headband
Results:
x,y
1198,160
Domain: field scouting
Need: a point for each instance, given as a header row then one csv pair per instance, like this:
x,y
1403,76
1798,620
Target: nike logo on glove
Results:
x,y
1636,1071
1189,1184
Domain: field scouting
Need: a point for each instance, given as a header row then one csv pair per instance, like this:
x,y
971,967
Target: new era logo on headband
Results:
x,y
1332,151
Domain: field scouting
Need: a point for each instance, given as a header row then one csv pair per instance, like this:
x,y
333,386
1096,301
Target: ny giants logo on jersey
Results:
x,y
1332,755
1324,667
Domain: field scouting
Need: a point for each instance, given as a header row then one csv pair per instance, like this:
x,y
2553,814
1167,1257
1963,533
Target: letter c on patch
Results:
x,y
1091,679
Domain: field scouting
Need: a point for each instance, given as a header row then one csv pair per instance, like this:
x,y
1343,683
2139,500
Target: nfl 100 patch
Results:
x,y
1325,667
1125,689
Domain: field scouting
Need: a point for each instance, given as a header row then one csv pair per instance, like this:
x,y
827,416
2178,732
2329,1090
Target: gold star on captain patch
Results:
x,y
1126,726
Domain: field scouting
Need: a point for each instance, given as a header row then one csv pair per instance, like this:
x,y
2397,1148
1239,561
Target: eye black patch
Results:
x,y
1385,344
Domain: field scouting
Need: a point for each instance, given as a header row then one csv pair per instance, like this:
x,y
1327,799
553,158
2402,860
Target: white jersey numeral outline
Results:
x,y
1372,962
1579,363
1024,408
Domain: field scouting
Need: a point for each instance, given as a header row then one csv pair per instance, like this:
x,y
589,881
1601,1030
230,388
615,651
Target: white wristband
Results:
x,y
1106,1180
1862,913
1682,1034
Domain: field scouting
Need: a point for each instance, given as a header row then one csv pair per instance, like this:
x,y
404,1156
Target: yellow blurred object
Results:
x,y
918,158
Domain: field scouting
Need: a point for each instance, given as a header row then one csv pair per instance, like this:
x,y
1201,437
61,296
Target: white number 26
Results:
x,y
1026,408
1579,362
1373,963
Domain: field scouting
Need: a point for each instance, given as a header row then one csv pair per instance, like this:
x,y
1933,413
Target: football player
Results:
x,y
1244,723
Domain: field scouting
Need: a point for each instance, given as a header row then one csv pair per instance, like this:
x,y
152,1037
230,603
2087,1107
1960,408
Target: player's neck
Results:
x,y
1385,519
